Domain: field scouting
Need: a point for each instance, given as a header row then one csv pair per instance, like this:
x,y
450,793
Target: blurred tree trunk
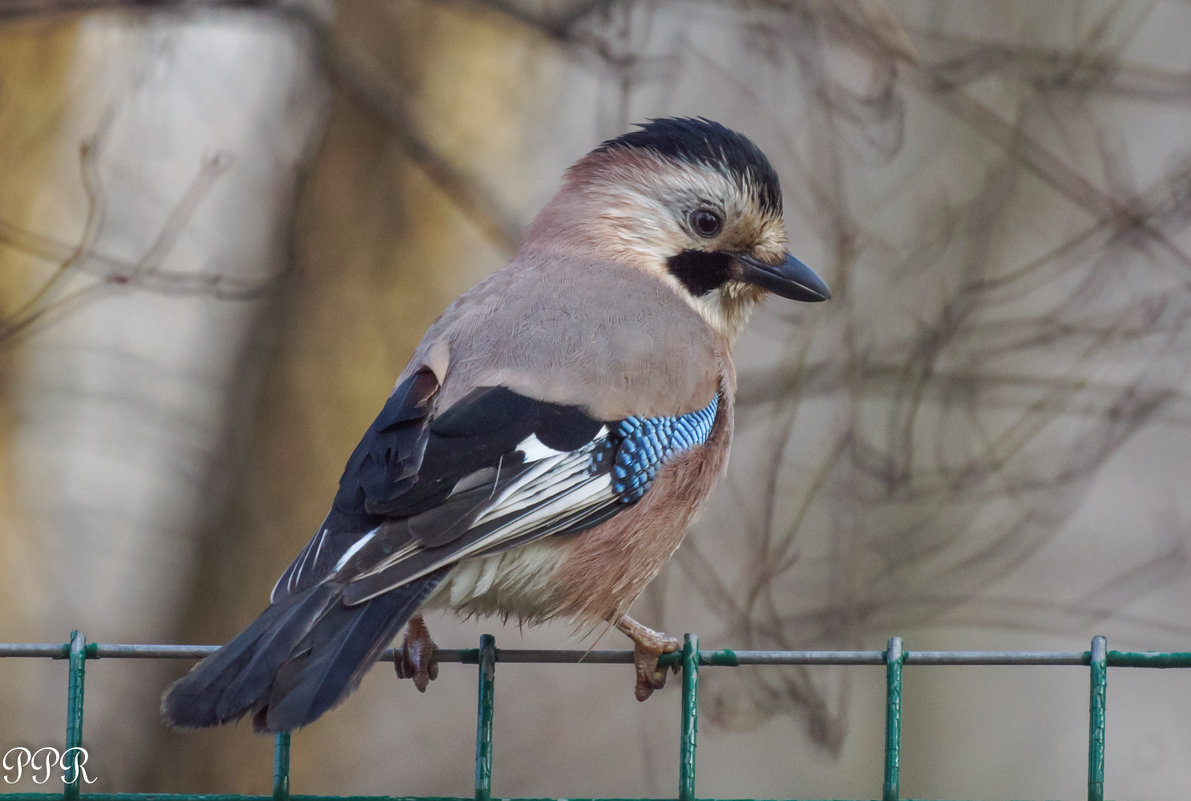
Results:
x,y
35,60
417,124
151,160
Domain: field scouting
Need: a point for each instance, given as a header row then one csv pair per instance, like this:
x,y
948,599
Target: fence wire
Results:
x,y
895,658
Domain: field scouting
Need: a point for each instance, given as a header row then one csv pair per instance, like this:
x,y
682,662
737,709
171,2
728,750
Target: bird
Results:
x,y
555,433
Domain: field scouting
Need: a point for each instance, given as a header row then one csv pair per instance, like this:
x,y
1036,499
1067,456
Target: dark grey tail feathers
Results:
x,y
301,657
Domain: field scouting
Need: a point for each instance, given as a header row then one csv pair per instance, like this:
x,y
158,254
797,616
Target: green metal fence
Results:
x,y
689,660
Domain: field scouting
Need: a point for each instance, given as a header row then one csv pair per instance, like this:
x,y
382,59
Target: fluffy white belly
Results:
x,y
513,583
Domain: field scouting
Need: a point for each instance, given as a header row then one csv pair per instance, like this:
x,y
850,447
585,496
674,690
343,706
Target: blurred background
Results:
x,y
224,226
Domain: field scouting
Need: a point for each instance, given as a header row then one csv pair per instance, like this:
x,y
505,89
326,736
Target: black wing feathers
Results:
x,y
461,458
385,465
503,416
482,431
382,467
409,499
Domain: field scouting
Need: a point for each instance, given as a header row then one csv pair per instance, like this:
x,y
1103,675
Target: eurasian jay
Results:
x,y
555,433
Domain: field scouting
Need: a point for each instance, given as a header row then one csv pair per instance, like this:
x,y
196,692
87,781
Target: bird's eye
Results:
x,y
706,223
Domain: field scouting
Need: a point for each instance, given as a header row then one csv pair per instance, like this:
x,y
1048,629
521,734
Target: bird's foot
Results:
x,y
417,659
648,645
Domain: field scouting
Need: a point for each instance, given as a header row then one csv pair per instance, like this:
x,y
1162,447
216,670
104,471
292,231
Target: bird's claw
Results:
x,y
417,660
648,645
650,675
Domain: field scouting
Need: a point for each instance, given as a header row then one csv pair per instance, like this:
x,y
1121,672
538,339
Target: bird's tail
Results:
x,y
301,657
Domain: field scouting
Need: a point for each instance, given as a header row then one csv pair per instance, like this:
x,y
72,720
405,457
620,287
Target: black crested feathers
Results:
x,y
701,141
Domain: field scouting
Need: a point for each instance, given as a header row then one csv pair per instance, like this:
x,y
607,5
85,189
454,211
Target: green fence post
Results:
x,y
76,672
281,753
690,717
1098,661
894,658
484,717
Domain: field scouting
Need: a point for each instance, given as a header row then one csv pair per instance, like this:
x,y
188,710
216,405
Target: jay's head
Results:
x,y
694,204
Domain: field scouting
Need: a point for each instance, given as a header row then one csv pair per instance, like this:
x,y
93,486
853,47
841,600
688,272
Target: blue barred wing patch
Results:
x,y
646,443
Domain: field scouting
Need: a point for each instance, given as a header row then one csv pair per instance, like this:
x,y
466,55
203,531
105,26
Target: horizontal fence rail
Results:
x,y
688,660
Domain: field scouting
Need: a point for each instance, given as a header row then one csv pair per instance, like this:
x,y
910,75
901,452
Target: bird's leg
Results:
x,y
417,659
648,645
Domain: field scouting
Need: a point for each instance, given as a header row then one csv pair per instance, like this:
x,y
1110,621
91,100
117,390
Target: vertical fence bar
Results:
x,y
486,706
1098,662
281,754
76,673
690,718
894,659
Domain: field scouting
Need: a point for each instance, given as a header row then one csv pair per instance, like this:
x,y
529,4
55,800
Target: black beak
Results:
x,y
789,278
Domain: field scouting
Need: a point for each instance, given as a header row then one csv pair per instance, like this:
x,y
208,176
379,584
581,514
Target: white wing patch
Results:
x,y
309,556
356,546
535,451
558,487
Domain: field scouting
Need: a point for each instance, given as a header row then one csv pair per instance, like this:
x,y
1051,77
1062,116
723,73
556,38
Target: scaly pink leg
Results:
x,y
648,645
417,659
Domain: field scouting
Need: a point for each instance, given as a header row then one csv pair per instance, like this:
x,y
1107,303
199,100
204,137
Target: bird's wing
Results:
x,y
383,466
495,470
